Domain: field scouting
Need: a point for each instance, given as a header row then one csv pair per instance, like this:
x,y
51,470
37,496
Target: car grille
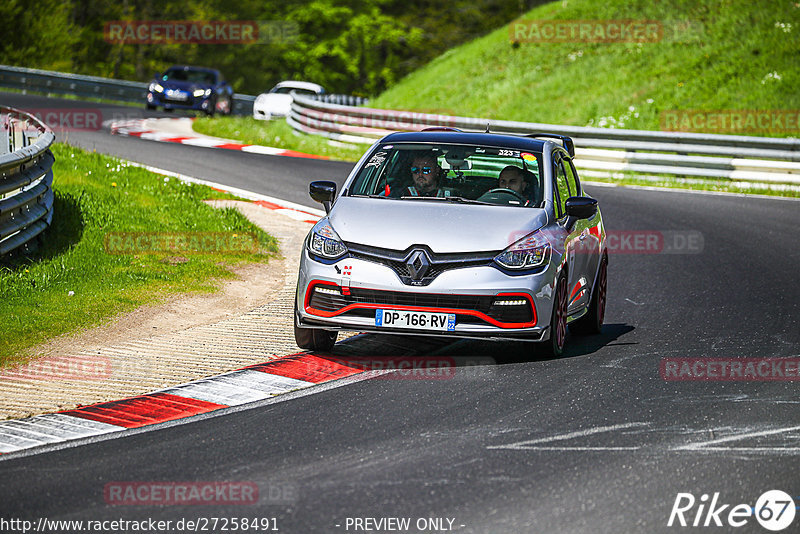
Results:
x,y
327,302
439,262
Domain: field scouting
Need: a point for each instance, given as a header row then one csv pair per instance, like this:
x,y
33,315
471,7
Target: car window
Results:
x,y
572,177
285,90
561,188
466,171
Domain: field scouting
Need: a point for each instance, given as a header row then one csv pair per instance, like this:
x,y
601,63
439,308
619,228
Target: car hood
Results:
x,y
442,226
275,99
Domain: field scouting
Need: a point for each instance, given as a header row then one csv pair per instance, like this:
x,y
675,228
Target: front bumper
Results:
x,y
264,112
353,289
201,103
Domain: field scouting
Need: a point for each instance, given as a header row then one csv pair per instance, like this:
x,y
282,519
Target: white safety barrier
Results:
x,y
603,152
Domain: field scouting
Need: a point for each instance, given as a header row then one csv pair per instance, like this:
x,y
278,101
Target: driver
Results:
x,y
512,177
426,173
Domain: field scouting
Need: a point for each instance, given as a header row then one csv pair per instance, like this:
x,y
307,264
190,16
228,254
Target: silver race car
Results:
x,y
455,234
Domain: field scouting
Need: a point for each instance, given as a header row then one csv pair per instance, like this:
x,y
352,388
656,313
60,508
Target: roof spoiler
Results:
x,y
565,140
441,129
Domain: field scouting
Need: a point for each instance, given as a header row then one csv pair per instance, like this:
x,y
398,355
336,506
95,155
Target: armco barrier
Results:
x,y
26,179
600,152
62,83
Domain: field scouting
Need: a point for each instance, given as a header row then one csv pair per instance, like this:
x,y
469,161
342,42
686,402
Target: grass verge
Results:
x,y
276,134
711,55
90,265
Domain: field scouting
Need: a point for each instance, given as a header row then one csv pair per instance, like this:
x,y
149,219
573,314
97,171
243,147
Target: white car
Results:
x,y
278,101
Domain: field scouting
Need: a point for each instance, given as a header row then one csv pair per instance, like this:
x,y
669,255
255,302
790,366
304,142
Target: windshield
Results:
x,y
189,75
483,174
286,89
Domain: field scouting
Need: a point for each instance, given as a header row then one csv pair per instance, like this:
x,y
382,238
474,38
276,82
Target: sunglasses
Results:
x,y
424,170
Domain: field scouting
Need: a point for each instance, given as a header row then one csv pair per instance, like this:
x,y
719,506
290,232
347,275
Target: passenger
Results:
x,y
427,174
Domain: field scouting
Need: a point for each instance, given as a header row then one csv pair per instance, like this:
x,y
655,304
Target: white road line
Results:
x,y
762,450
737,437
523,445
249,195
268,150
579,449
209,143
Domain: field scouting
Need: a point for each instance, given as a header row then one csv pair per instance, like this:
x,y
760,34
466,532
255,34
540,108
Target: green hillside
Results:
x,y
710,55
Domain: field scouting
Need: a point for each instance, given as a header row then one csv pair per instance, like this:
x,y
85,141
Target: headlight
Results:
x,y
528,253
154,87
201,92
324,242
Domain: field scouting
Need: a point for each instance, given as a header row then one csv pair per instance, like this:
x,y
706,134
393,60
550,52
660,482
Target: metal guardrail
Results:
x,y
26,179
600,152
62,83
345,100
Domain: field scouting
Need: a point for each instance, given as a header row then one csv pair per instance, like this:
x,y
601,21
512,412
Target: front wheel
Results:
x,y
212,107
314,338
592,322
558,321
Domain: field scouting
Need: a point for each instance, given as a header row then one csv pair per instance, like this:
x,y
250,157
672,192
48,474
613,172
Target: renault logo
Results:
x,y
418,264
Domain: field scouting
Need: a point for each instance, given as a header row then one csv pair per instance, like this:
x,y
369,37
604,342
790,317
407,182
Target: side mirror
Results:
x,y
323,192
581,207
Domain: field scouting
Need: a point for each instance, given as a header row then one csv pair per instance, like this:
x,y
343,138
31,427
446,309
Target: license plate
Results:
x,y
177,95
415,320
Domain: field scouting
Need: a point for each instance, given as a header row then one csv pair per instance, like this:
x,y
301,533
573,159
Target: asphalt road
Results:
x,y
596,441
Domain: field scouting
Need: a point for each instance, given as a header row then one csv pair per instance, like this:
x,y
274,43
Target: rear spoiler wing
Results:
x,y
566,141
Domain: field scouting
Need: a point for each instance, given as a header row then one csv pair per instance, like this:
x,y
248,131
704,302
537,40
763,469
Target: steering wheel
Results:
x,y
522,199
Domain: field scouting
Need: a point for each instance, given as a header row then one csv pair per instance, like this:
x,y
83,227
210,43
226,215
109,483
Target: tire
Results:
x,y
150,106
314,338
558,320
212,107
592,322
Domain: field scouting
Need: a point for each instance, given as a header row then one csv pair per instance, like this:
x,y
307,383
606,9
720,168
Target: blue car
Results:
x,y
197,88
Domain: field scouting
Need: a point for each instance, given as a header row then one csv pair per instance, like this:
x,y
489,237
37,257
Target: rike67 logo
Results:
x,y
774,510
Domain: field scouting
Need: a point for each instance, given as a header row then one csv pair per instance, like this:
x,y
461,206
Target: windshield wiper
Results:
x,y
371,196
449,199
